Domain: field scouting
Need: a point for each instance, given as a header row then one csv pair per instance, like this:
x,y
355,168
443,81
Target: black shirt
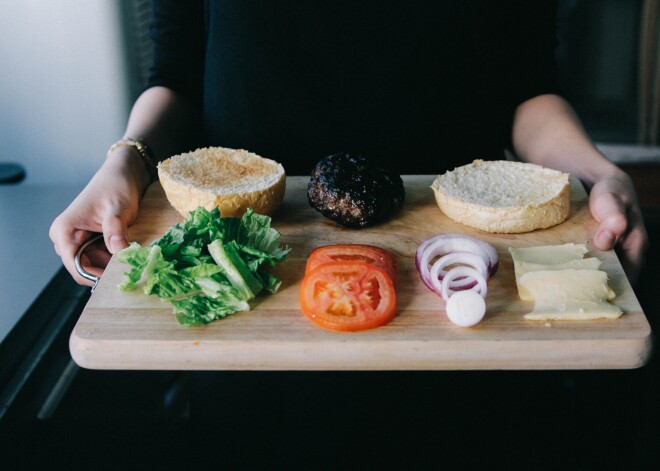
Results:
x,y
419,86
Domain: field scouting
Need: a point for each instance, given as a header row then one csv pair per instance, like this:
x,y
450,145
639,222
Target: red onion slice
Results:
x,y
458,258
437,272
493,258
444,244
481,287
422,247
466,308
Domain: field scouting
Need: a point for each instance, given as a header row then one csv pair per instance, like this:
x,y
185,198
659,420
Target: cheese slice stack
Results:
x,y
562,283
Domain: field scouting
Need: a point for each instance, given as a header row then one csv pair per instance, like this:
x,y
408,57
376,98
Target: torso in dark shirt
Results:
x,y
419,86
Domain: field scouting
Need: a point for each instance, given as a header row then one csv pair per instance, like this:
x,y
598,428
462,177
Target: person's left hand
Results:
x,y
613,203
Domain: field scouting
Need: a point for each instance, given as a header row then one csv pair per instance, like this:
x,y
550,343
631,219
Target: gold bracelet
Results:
x,y
143,149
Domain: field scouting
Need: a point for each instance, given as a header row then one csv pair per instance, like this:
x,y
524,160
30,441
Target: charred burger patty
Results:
x,y
351,191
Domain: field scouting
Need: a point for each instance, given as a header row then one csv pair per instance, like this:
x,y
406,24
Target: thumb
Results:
x,y
115,232
610,211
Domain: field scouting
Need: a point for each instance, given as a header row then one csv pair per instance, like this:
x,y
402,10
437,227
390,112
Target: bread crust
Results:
x,y
232,180
525,216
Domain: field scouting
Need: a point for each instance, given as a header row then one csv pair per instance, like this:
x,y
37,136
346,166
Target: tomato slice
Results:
x,y
377,256
348,296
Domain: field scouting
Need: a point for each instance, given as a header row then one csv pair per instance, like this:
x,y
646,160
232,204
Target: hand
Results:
x,y
613,203
108,204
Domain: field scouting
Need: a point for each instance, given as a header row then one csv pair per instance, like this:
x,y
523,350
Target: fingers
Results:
x,y
98,256
67,240
91,266
68,233
115,231
633,247
108,204
609,209
613,204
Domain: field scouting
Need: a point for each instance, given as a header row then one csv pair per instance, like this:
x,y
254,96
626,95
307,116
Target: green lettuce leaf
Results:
x,y
255,232
236,270
198,310
207,267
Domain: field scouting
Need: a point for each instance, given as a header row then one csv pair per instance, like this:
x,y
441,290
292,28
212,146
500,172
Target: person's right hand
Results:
x,y
108,204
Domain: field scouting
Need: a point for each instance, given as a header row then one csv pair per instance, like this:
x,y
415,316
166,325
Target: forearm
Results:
x,y
164,120
546,131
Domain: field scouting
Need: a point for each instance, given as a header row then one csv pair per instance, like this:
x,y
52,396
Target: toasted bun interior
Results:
x,y
231,179
503,196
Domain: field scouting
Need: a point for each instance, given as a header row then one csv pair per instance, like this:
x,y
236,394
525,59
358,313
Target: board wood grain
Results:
x,y
119,330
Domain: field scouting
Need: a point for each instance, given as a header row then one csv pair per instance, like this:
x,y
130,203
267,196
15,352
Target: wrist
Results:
x,y
607,170
125,161
131,148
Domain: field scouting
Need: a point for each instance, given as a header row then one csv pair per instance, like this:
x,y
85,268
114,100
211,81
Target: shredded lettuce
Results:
x,y
207,267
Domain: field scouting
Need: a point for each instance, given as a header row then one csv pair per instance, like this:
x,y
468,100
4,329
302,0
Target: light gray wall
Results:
x,y
63,97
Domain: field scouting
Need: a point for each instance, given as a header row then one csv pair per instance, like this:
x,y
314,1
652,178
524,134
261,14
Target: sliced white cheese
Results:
x,y
549,257
591,263
548,254
569,294
521,268
582,311
579,285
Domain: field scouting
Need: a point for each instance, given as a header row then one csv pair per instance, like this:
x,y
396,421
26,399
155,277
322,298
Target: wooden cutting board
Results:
x,y
119,330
